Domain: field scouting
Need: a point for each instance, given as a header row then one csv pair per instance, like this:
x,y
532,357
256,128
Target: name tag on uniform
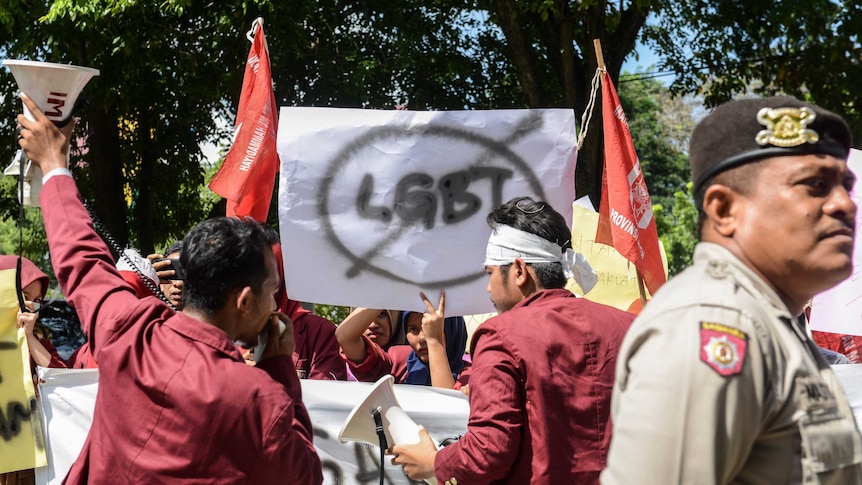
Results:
x,y
830,439
722,348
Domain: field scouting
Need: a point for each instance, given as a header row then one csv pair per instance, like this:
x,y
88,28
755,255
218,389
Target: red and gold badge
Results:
x,y
722,348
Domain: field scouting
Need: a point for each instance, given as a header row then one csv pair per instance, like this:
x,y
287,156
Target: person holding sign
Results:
x,y
542,370
34,285
434,356
717,382
177,403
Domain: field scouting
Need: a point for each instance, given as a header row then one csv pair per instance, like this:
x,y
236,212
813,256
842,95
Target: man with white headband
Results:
x,y
543,369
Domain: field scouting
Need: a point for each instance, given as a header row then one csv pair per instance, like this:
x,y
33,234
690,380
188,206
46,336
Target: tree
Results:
x,y
660,127
147,112
806,49
677,224
28,238
550,48
170,69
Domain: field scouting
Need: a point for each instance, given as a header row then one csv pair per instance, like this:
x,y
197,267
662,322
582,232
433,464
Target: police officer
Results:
x,y
716,382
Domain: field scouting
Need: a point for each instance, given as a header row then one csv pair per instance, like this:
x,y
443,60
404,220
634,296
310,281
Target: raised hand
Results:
x,y
432,320
45,145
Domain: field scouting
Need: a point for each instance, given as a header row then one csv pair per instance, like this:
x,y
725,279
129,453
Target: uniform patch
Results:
x,y
722,348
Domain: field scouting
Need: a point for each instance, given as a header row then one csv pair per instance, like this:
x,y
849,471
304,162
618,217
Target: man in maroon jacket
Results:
x,y
543,369
177,403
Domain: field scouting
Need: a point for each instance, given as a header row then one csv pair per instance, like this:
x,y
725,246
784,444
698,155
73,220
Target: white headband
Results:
x,y
507,243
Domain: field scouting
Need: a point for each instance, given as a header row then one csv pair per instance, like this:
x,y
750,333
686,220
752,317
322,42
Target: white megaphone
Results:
x,y
398,428
55,89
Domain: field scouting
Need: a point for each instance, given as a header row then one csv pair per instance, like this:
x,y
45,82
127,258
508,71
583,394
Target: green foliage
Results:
x,y
677,229
806,49
659,128
333,313
31,242
648,112
171,68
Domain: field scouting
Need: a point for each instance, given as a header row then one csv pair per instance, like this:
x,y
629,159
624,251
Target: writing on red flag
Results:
x,y
626,219
247,176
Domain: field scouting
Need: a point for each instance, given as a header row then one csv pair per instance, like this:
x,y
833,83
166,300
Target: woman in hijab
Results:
x,y
433,356
34,285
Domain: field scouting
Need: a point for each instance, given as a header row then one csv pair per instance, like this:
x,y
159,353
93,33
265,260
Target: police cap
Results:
x,y
749,130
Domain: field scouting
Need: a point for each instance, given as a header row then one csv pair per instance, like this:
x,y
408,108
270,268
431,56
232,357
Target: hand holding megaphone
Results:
x,y
417,459
54,89
46,145
380,413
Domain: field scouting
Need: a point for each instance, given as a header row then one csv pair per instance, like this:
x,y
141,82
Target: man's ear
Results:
x,y
519,271
722,205
244,298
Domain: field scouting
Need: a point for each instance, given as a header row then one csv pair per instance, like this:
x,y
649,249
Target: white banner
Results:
x,y
839,309
67,398
375,206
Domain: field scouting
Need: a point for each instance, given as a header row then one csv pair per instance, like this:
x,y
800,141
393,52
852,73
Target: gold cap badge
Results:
x,y
786,127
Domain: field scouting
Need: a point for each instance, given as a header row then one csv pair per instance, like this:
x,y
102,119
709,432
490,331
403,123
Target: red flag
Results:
x,y
247,176
626,219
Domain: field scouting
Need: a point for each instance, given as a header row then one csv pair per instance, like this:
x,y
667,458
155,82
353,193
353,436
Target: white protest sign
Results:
x,y
66,401
375,206
68,397
839,309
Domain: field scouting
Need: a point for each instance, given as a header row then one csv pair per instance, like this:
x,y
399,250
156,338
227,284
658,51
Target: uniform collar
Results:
x,y
720,262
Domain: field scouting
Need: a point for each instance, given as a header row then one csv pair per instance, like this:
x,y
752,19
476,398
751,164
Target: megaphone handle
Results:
x,y
381,436
378,427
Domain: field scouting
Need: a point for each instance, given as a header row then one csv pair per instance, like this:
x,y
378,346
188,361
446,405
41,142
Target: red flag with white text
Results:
x,y
247,176
626,219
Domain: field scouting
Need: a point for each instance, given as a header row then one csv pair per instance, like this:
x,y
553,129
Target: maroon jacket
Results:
x,y
540,397
176,402
317,355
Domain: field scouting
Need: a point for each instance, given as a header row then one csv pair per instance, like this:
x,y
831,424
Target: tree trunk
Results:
x,y
144,206
588,173
521,53
560,32
107,175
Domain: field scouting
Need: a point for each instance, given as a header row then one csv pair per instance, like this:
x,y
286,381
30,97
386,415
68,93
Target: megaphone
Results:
x,y
55,89
398,428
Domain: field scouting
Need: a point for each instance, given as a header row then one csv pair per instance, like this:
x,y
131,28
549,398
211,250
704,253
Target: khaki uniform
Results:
x,y
716,384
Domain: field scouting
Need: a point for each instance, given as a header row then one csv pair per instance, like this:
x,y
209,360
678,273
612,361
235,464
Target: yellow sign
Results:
x,y
618,282
22,445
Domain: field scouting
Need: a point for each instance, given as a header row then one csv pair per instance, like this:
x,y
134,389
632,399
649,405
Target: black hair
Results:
x,y
540,219
221,254
176,247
